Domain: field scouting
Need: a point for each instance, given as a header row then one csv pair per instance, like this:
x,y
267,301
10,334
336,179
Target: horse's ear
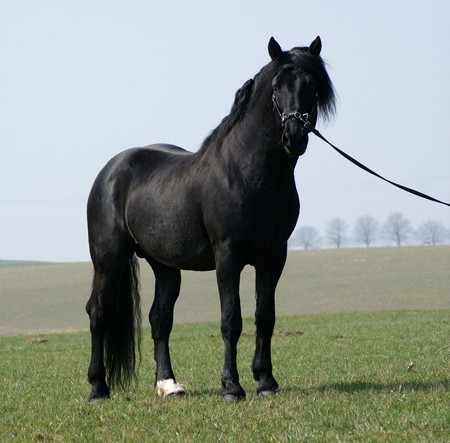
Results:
x,y
316,46
274,49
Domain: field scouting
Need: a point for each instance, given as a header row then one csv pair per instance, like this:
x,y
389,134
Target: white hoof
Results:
x,y
167,388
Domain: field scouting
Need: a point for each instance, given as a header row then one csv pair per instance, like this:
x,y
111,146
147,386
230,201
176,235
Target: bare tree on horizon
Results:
x,y
336,232
306,236
366,229
397,229
432,233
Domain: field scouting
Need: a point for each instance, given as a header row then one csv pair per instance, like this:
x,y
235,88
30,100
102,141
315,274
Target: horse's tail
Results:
x,y
123,333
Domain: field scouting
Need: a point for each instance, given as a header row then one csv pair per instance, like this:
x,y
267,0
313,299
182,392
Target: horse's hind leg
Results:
x,y
167,289
110,273
267,276
97,308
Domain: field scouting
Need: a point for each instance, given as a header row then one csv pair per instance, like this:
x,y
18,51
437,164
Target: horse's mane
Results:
x,y
241,99
302,58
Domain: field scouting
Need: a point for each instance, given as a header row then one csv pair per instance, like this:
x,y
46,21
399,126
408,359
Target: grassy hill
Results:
x,y
42,297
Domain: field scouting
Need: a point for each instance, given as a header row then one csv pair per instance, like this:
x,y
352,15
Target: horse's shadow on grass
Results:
x,y
354,387
349,388
367,386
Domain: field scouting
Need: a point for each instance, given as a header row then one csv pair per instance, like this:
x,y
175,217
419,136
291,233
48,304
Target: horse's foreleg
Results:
x,y
267,277
228,277
167,289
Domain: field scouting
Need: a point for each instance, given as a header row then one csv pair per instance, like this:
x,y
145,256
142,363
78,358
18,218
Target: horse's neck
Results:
x,y
255,142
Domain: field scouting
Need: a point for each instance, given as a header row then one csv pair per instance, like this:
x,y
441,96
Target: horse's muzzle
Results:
x,y
295,143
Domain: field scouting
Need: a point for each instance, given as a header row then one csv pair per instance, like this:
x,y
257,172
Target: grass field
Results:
x,y
43,297
342,366
343,377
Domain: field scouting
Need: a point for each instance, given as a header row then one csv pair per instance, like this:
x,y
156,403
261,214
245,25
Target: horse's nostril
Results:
x,y
286,140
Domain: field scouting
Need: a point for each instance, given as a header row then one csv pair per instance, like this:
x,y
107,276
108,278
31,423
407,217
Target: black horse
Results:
x,y
232,203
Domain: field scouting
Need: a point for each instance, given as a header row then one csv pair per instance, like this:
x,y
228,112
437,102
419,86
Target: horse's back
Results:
x,y
124,166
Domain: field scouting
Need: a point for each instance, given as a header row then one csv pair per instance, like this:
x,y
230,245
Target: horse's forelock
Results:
x,y
316,66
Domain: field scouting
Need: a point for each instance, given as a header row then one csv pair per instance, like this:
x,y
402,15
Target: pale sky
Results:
x,y
82,80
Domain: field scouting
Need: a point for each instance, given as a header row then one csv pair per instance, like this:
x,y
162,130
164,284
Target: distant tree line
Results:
x,y
396,230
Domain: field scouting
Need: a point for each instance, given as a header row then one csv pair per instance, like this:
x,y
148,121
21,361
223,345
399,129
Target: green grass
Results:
x,y
343,377
37,298
343,372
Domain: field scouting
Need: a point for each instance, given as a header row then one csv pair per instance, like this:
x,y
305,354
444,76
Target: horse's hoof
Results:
x,y
170,388
98,393
232,391
268,387
233,397
176,394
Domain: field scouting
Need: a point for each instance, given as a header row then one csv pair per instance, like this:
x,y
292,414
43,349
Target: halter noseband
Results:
x,y
285,116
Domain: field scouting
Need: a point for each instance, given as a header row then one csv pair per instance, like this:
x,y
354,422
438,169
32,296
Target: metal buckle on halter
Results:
x,y
305,120
298,116
284,116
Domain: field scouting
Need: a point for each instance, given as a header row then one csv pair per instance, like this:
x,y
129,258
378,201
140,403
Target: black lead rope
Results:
x,y
365,168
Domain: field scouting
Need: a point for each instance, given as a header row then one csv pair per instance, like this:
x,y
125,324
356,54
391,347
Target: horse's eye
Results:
x,y
274,88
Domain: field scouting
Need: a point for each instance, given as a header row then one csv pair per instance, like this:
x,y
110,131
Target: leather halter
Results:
x,y
285,116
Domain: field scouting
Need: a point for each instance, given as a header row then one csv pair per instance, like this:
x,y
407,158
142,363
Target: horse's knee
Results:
x,y
231,328
265,320
265,316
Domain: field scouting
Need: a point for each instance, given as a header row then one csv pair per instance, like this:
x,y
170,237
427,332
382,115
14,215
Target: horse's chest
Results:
x,y
261,219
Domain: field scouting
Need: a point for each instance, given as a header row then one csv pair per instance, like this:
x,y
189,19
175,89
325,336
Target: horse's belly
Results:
x,y
181,245
191,254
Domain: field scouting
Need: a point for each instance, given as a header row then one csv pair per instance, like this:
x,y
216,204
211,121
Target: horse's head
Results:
x,y
298,89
